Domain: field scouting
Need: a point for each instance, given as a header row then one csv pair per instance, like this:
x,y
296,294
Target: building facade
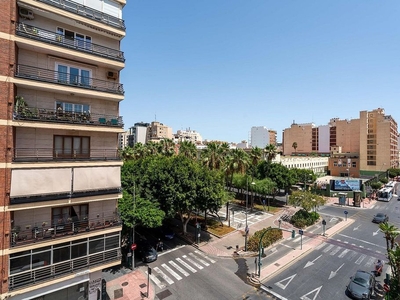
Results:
x,y
371,141
262,136
188,135
59,163
158,131
138,133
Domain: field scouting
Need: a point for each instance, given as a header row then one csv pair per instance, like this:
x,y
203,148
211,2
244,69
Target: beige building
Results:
x,y
371,141
158,131
59,163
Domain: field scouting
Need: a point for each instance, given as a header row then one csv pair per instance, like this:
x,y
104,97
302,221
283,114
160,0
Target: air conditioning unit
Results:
x,y
26,13
112,75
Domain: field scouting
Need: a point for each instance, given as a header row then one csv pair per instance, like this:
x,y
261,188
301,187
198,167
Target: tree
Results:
x,y
294,146
237,161
127,153
390,232
188,149
213,156
265,187
166,147
306,200
270,151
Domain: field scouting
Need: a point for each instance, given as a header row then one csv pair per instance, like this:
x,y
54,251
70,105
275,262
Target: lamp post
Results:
x,y
247,201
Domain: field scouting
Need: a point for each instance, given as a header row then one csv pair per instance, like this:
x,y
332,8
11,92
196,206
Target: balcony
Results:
x,y
63,196
60,116
61,78
86,12
51,154
23,234
53,38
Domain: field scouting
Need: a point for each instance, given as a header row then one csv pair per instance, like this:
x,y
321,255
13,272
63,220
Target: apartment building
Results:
x,y
138,133
261,136
188,135
366,145
123,139
158,131
59,165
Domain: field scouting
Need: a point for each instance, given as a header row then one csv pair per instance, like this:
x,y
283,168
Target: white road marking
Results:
x,y
316,291
178,267
288,279
362,241
352,254
370,261
170,250
310,263
163,275
344,252
270,291
327,249
199,259
336,250
172,272
186,265
205,256
333,273
320,246
193,262
156,281
360,259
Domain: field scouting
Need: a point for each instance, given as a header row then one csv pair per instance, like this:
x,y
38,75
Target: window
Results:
x,y
63,215
71,146
71,107
354,164
74,39
73,75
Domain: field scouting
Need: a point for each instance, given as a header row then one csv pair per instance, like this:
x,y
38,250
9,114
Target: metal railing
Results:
x,y
23,234
49,154
40,74
86,12
54,38
49,272
61,116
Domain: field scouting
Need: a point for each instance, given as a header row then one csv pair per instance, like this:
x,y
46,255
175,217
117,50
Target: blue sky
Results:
x,y
220,67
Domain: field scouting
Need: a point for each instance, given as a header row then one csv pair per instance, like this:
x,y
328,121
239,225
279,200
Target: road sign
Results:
x,y
133,247
346,212
247,230
301,232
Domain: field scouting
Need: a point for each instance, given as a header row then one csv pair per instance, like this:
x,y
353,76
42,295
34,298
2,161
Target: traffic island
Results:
x,y
253,280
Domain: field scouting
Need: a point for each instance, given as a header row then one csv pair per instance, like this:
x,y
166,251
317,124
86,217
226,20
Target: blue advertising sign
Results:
x,y
346,185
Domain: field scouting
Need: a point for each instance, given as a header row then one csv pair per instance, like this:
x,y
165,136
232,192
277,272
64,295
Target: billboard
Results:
x,y
346,185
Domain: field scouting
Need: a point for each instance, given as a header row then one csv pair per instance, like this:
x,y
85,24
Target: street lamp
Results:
x,y
246,230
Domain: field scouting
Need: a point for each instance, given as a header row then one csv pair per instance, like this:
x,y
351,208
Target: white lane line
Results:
x,y
156,281
193,262
178,267
362,241
273,293
327,249
186,265
172,272
352,254
344,252
199,259
163,275
170,250
336,250
205,256
360,259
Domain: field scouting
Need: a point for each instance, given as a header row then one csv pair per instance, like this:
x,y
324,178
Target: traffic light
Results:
x,y
293,234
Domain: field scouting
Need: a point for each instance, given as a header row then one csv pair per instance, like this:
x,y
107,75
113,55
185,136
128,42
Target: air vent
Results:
x,y
112,75
26,13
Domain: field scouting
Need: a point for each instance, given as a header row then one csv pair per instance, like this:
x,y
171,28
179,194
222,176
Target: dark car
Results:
x,y
166,232
362,285
380,218
146,252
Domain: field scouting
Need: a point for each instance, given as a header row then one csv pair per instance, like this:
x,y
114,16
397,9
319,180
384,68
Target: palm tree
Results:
x,y
294,146
213,156
270,151
139,151
188,149
166,147
391,232
151,148
127,153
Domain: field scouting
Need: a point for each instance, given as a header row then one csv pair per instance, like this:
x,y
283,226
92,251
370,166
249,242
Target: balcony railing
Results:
x,y
61,116
45,75
50,154
40,232
54,38
86,12
62,196
49,272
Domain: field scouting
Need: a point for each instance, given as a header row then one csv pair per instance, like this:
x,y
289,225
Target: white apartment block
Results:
x,y
188,135
260,136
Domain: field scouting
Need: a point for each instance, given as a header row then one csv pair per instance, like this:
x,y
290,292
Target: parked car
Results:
x,y
165,232
362,285
146,252
380,218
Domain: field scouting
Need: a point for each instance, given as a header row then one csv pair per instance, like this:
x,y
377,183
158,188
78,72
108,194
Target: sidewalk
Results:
x,y
132,285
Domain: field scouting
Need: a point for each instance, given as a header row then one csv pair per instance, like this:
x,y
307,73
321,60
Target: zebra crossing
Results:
x,y
367,259
179,268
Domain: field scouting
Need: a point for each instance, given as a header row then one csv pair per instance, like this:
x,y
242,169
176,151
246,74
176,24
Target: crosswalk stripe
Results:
x,y
205,256
327,249
193,262
344,252
199,259
336,250
186,265
320,246
173,273
156,281
370,261
352,254
176,266
163,275
360,259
